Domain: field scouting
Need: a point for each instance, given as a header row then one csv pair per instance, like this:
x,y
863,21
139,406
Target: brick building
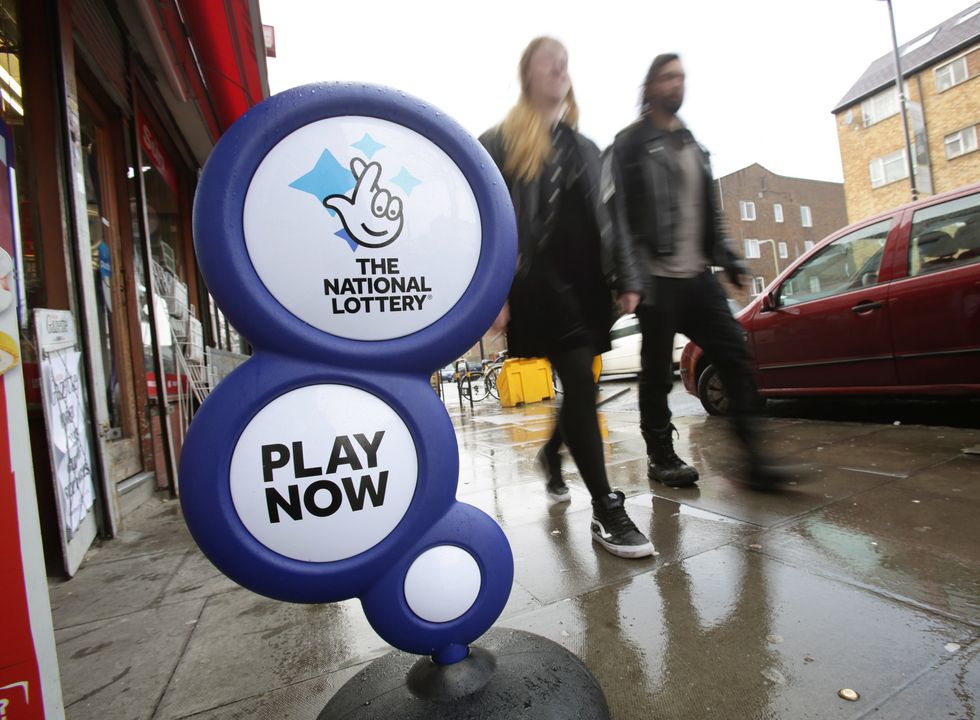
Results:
x,y
940,69
773,220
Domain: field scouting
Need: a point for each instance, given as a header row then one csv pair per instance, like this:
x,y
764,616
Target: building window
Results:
x,y
758,285
888,168
951,74
752,249
747,210
806,219
777,210
881,106
921,42
968,15
961,142
807,245
783,250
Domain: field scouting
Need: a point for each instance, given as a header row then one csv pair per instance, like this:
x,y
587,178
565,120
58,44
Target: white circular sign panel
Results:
x,y
323,473
362,228
442,583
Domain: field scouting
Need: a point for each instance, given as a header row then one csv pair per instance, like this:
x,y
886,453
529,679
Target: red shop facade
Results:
x,y
113,107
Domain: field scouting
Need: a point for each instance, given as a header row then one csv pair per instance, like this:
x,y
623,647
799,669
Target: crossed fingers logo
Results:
x,y
371,215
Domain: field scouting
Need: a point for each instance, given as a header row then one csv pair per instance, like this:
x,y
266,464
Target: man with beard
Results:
x,y
658,185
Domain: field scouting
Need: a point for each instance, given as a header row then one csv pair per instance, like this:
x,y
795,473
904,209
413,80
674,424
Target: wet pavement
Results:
x,y
864,575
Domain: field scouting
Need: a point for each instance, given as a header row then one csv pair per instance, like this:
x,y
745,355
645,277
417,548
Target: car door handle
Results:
x,y
866,306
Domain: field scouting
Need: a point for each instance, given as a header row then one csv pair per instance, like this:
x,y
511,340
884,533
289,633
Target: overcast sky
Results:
x,y
762,75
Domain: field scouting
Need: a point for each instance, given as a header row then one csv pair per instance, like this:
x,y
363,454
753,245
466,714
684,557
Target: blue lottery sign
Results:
x,y
359,239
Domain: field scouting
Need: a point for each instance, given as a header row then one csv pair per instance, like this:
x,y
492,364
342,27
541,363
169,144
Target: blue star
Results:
x,y
368,145
406,181
342,233
328,177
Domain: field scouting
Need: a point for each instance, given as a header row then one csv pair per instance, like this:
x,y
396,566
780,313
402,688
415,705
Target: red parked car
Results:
x,y
888,305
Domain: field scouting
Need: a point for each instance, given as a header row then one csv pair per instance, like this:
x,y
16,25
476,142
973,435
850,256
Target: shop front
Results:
x,y
120,341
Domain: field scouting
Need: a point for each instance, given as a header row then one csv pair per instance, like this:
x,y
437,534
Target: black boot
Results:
x,y
550,462
759,473
664,465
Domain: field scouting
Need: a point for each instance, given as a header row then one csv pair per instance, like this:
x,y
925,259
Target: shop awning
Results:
x,y
226,37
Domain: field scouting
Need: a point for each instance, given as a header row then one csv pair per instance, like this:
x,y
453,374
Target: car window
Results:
x,y
848,263
945,236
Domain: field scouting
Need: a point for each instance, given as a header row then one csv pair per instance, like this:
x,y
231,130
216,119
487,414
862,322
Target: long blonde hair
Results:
x,y
526,133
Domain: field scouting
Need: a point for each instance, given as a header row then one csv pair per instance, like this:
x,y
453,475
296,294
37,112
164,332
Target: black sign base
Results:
x,y
510,675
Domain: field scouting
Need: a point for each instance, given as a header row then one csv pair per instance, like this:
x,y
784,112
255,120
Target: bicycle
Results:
x,y
490,374
471,384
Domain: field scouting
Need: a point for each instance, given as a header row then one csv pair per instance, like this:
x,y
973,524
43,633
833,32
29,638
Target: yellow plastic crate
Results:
x,y
525,381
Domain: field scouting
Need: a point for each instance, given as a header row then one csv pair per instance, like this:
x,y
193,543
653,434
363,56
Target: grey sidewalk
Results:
x,y
758,606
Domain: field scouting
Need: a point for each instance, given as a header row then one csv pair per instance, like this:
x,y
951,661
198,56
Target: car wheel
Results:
x,y
712,393
714,397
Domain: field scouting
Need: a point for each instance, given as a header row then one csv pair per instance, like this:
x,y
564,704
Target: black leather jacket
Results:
x,y
638,184
526,200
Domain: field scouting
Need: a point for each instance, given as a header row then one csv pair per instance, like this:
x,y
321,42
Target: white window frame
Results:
x,y
758,284
752,249
807,245
919,42
951,74
965,141
883,168
880,106
968,15
777,211
746,209
783,250
806,216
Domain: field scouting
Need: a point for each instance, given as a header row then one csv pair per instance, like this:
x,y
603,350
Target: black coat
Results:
x,y
561,296
639,185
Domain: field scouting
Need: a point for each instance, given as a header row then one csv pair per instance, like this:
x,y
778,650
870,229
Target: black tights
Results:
x,y
578,424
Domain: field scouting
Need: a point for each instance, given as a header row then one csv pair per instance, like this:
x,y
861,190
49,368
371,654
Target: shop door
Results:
x,y
107,308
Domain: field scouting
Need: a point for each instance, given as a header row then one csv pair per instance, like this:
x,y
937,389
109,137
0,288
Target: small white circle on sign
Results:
x,y
442,583
362,228
323,473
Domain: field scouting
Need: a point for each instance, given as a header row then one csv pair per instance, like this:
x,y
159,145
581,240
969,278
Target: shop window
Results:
x,y
13,111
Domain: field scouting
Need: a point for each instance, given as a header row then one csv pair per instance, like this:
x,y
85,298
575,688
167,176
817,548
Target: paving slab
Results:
x,y
864,575
118,669
917,538
246,645
733,634
950,690
299,701
112,589
558,559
